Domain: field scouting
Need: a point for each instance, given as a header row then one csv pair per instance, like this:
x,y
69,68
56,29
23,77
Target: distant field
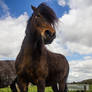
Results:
x,y
34,89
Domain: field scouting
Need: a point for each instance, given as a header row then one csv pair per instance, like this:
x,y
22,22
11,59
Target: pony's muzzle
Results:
x,y
49,34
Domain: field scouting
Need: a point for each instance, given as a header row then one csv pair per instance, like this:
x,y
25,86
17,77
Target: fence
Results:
x,y
78,87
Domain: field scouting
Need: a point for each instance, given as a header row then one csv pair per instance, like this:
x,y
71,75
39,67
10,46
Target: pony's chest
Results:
x,y
32,76
37,70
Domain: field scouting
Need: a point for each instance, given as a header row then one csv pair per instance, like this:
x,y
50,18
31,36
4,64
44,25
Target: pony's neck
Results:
x,y
33,36
34,42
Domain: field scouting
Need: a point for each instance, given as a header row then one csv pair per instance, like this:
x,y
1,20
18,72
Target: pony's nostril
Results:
x,y
47,32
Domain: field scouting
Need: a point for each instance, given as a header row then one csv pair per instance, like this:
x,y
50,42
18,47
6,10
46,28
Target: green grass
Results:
x,y
30,89
5,89
34,89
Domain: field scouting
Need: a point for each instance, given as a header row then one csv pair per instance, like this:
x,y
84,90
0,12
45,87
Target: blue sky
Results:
x,y
18,7
74,40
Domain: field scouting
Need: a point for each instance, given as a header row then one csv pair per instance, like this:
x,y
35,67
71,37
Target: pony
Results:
x,y
8,74
35,63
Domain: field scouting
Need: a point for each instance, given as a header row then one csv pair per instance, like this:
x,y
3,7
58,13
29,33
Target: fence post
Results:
x,y
84,88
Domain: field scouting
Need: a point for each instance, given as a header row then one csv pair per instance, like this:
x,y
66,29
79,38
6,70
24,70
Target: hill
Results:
x,y
87,81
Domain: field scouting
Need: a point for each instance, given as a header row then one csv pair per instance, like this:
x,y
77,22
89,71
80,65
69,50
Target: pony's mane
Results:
x,y
47,13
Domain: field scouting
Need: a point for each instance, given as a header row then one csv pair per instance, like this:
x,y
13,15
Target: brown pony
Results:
x,y
8,74
34,62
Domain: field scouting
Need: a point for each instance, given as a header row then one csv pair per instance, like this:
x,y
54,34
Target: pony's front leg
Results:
x,y
41,85
62,85
23,86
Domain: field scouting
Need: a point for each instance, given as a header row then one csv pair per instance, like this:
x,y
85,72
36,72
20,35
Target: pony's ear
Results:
x,y
33,8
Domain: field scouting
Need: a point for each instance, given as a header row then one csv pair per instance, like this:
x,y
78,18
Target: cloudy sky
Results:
x,y
74,32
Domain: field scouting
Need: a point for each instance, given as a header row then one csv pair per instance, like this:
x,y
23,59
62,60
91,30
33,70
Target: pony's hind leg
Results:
x,y
55,88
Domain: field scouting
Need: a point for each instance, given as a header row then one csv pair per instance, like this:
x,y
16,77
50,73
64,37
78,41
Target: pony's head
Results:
x,y
42,21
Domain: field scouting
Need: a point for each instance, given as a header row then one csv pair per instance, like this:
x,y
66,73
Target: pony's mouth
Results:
x,y
48,40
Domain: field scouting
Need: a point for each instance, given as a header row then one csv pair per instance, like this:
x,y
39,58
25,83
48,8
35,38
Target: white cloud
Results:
x,y
75,47
12,31
87,57
62,2
80,70
79,3
57,47
4,7
75,31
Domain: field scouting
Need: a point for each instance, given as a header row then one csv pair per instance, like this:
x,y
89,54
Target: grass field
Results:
x,y
31,89
34,89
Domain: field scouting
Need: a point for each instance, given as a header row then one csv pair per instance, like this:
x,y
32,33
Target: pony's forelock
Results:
x,y
47,13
